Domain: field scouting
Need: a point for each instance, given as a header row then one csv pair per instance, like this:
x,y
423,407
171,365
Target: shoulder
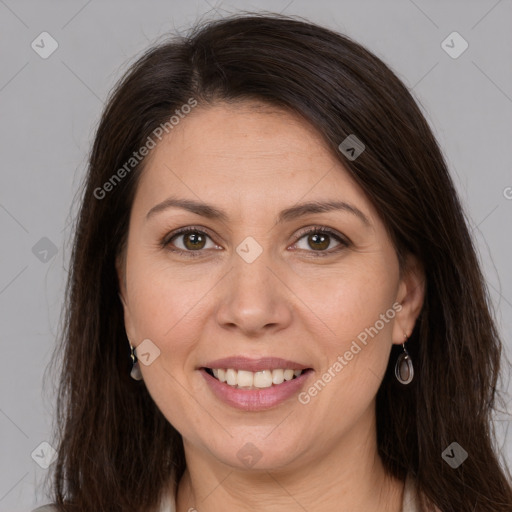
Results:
x,y
46,508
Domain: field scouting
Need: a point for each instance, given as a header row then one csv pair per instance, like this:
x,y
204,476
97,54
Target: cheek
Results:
x,y
356,309
350,299
163,298
166,308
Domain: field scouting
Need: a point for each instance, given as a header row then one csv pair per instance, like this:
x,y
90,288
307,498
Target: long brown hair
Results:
x,y
116,451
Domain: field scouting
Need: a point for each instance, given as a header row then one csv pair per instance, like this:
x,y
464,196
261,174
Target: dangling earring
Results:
x,y
404,370
135,373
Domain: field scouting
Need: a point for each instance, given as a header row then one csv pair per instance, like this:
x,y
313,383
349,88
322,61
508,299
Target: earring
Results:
x,y
404,370
135,373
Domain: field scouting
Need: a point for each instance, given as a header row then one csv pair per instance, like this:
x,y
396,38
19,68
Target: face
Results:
x,y
262,283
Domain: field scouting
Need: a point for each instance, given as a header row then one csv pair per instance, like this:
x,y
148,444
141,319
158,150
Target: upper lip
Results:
x,y
255,365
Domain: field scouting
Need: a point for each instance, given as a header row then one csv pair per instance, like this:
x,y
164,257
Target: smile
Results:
x,y
244,379
258,390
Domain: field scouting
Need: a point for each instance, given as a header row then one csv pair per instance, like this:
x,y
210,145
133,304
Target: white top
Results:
x,y
409,503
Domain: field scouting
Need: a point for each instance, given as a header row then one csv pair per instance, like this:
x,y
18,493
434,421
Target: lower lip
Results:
x,y
255,399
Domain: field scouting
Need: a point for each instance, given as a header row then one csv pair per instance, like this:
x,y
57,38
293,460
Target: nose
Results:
x,y
254,298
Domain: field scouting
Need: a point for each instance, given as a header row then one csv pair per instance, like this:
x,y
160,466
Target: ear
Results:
x,y
411,294
120,264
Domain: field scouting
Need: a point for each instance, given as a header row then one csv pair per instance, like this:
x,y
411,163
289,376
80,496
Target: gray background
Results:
x,y
49,109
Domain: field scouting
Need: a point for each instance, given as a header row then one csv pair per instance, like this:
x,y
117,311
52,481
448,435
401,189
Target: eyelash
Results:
x,y
344,243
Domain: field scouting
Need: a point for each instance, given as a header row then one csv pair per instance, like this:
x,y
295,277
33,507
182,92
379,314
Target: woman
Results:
x,y
274,302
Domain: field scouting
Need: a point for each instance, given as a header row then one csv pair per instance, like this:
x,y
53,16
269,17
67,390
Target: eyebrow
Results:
x,y
300,210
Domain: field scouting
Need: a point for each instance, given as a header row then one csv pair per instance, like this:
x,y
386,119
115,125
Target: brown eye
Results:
x,y
319,239
194,240
188,241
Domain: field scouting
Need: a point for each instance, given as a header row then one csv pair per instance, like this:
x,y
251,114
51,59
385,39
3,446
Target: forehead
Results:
x,y
244,131
263,155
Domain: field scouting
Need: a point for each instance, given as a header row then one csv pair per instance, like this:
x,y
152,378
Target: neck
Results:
x,y
348,476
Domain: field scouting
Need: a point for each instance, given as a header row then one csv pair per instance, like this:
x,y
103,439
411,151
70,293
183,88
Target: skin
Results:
x,y
252,162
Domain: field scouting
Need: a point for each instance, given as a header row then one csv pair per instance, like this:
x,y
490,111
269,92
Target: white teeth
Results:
x,y
254,380
231,377
262,379
245,379
288,374
277,376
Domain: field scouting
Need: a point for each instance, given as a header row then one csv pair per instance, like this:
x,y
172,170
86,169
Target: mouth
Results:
x,y
255,384
248,380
